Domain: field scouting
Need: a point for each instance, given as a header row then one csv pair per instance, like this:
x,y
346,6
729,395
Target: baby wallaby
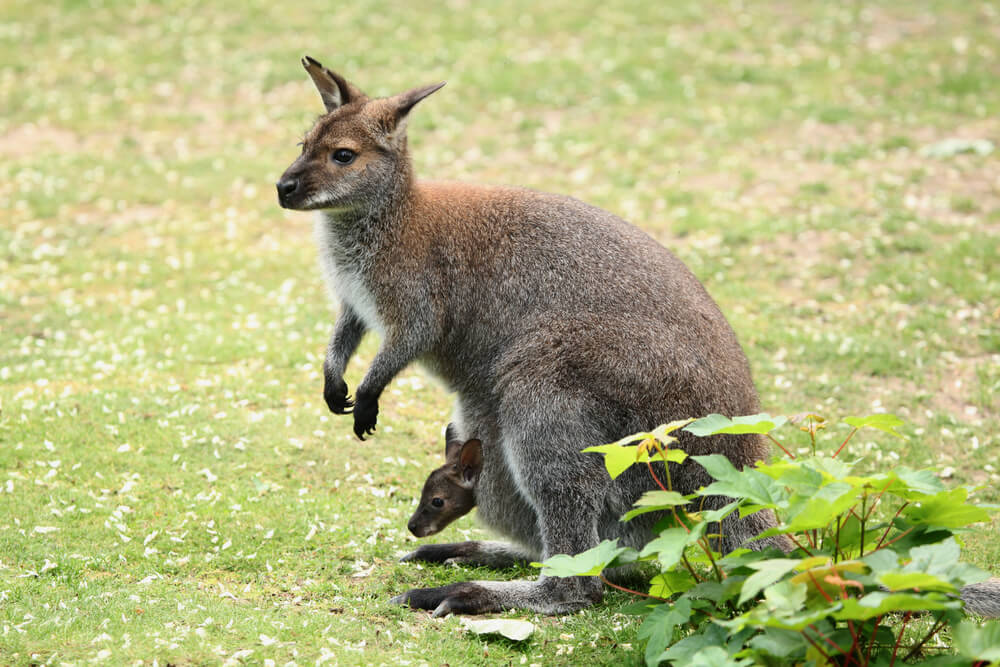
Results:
x,y
450,491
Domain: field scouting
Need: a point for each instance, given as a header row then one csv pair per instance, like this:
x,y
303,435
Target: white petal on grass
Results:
x,y
267,641
508,627
124,448
45,529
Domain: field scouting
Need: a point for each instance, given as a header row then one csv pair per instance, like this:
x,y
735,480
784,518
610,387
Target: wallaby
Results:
x,y
557,324
450,491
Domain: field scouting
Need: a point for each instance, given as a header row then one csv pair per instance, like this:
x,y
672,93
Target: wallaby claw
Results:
x,y
365,417
335,395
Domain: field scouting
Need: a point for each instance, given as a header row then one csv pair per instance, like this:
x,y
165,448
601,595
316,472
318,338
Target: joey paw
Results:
x,y
335,394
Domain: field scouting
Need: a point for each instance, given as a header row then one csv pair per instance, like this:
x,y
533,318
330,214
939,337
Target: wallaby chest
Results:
x,y
344,270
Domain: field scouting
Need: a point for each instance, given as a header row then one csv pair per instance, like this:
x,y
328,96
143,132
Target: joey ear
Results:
x,y
470,462
333,88
402,104
452,443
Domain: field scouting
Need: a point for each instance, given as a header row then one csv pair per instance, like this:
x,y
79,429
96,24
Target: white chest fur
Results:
x,y
342,272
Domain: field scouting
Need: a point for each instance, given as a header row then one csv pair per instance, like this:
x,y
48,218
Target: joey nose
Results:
x,y
287,186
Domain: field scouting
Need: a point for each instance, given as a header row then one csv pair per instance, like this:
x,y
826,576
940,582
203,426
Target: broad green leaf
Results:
x,y
747,483
785,596
942,560
651,453
882,421
617,458
822,507
767,572
879,603
669,546
658,628
946,509
654,501
716,424
715,656
683,651
711,516
589,563
779,643
922,481
978,642
900,581
881,561
670,583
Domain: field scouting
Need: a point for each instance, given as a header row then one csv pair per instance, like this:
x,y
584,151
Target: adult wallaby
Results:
x,y
557,324
450,491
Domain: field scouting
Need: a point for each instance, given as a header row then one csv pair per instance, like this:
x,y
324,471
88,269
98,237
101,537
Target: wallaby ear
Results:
x,y
470,462
401,105
333,88
452,444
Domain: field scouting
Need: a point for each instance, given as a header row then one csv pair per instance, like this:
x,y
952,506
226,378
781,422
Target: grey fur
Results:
x,y
557,324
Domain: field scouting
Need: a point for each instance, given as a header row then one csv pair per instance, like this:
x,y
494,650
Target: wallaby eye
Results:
x,y
437,502
343,156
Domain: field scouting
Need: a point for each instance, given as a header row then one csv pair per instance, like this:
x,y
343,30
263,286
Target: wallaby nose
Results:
x,y
287,186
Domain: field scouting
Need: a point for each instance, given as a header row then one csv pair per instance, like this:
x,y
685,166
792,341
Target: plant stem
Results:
x,y
868,651
846,440
899,637
629,590
655,478
897,538
818,587
933,631
889,527
796,543
816,646
780,446
862,518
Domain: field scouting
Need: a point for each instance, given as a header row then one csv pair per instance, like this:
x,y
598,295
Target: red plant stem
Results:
x,y
796,543
816,646
828,640
899,637
850,623
780,446
655,478
629,590
877,498
897,538
889,527
868,651
844,444
934,630
818,587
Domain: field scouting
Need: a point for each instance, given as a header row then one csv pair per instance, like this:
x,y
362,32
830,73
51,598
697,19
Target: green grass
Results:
x,y
171,484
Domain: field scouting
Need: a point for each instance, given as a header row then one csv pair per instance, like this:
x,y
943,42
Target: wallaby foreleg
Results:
x,y
347,333
396,353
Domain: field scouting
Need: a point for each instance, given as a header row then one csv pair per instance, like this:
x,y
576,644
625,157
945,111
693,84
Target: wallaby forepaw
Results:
x,y
335,394
365,416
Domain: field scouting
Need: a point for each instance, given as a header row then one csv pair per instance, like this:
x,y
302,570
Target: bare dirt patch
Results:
x,y
23,140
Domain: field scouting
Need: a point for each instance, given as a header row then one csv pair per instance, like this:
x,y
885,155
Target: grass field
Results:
x,y
172,486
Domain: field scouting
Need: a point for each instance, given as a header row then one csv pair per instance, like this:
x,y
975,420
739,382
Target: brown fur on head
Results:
x,y
356,148
450,491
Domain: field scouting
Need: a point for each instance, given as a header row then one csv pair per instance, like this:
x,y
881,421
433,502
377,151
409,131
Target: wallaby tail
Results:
x,y
983,599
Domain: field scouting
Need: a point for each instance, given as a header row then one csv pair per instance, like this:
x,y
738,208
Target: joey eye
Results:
x,y
343,156
437,502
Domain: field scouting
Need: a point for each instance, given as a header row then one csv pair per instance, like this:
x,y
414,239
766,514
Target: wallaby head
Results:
x,y
355,154
450,491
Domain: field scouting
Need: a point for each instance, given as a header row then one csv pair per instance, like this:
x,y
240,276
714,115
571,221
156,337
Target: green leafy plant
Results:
x,y
872,575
